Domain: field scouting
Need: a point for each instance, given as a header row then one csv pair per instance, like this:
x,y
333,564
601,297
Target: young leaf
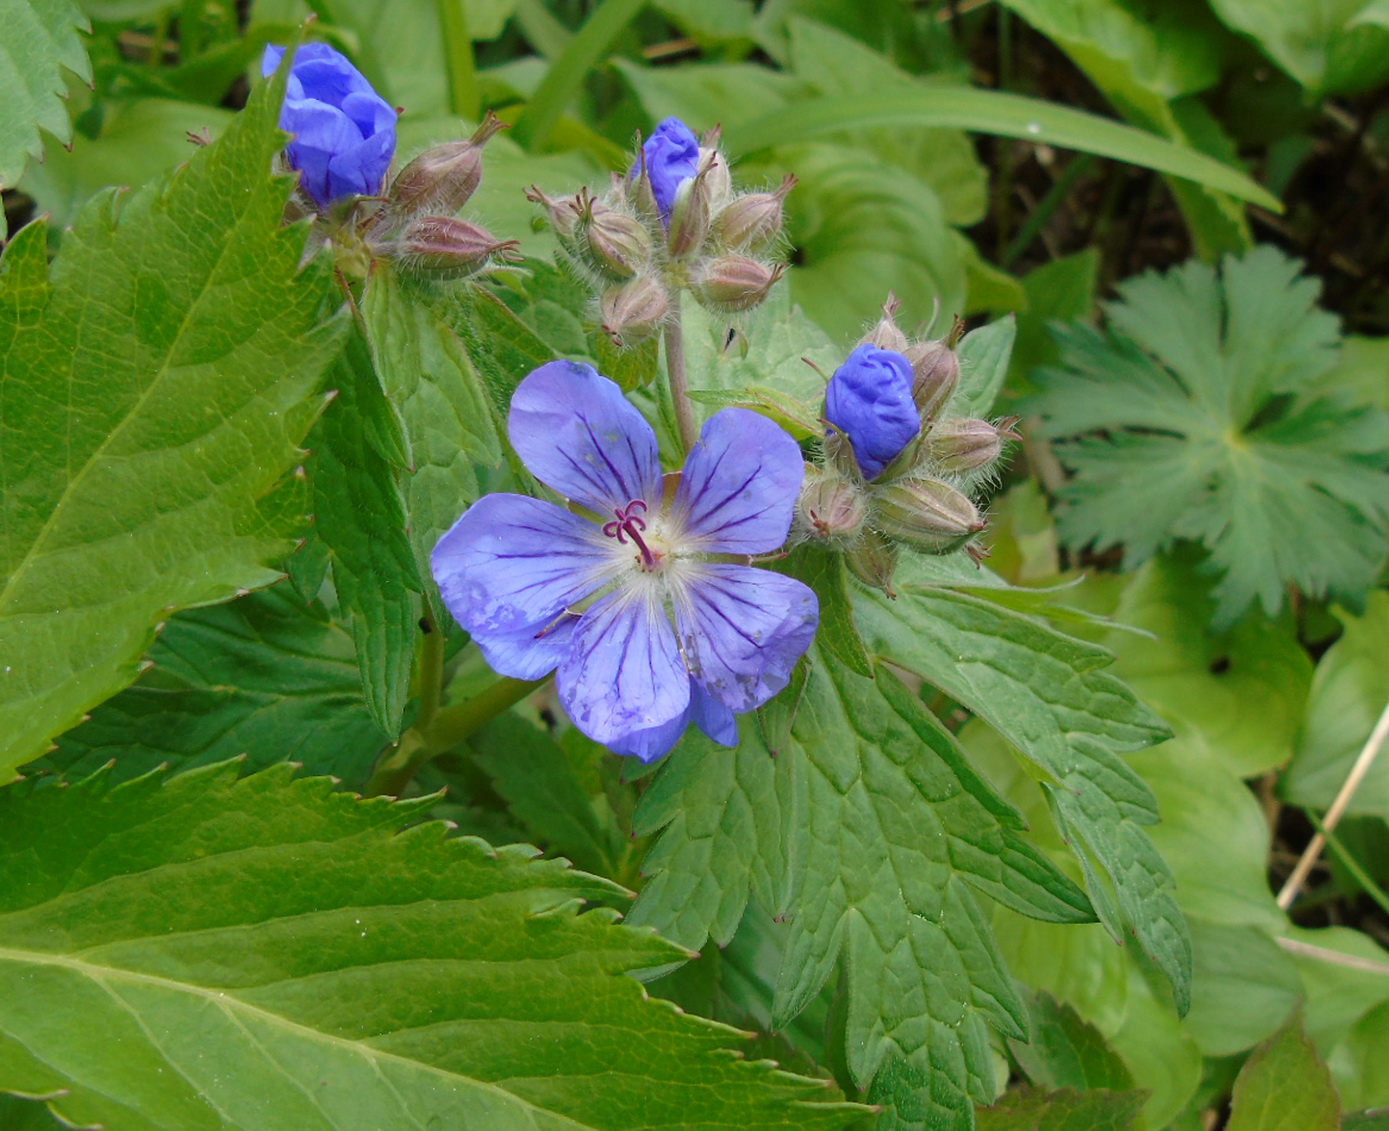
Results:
x,y
1284,1086
264,677
202,952
1196,418
155,390
40,39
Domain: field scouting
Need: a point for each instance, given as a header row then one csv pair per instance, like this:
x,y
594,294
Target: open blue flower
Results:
x,y
671,154
870,400
344,132
649,618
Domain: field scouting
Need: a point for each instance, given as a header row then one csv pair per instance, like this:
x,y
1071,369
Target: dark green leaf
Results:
x,y
824,572
1066,1051
1066,1110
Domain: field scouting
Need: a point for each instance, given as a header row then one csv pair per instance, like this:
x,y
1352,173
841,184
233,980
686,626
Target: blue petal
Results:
x,y
320,133
270,61
870,400
743,630
512,564
738,492
534,651
648,745
624,673
579,434
671,154
329,77
712,717
370,112
359,170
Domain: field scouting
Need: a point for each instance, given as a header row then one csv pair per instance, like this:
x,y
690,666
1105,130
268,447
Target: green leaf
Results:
x,y
184,346
1330,46
710,22
262,677
1360,370
1284,1086
991,112
1377,1120
201,952
1066,1051
26,1115
40,40
711,93
1195,418
1244,986
1064,289
825,573
871,832
1046,694
359,512
984,355
1065,1110
1349,692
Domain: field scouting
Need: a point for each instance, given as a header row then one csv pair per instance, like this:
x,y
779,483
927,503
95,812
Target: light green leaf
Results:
x,y
264,677
1329,46
710,94
1349,692
1284,1086
1357,1063
1361,371
183,367
1065,1110
201,952
984,355
992,112
40,40
710,22
1345,974
1066,1051
1243,986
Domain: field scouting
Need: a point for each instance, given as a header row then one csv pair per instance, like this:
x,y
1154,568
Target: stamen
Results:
x,y
628,523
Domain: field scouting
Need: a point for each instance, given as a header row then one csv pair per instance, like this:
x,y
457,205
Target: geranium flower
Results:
x,y
869,399
344,132
671,155
648,609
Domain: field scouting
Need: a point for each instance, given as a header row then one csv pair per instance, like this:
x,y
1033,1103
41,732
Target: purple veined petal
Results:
x,y
577,433
738,493
743,630
624,673
513,563
534,651
712,717
360,169
648,745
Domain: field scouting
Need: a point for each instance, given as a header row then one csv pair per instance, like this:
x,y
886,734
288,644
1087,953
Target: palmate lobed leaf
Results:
x,y
153,393
1196,417
199,951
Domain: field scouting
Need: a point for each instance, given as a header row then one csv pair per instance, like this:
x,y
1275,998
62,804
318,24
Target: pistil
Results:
x,y
628,523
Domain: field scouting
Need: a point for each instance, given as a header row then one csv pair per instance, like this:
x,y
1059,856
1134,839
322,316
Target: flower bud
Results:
x,y
715,166
830,508
442,179
926,515
445,247
733,283
869,399
689,215
885,335
936,371
633,311
669,157
564,216
958,447
752,221
612,243
873,560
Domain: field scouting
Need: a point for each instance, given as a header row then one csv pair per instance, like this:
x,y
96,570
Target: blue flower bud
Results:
x,y
869,399
344,132
671,156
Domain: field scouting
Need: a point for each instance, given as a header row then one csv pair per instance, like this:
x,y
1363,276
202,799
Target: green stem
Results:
x,y
429,674
1362,877
679,385
464,98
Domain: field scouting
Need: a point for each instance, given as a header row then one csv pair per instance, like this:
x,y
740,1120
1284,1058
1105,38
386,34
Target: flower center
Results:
x,y
628,523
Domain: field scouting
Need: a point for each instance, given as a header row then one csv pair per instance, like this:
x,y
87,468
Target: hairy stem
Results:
x,y
679,386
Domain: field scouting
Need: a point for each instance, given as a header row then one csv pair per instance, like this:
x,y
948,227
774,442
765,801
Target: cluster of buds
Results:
x,y
898,469
417,225
674,223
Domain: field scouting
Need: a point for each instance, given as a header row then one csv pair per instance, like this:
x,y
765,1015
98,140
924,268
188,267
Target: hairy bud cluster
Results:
x,y
674,223
897,468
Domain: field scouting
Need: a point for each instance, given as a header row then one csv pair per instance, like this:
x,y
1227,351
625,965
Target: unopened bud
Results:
x,y
752,221
831,508
689,215
873,560
936,370
610,242
885,335
442,179
926,515
733,283
564,217
958,447
634,311
720,181
445,247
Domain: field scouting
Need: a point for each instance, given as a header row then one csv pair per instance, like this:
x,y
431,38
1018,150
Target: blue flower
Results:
x,y
650,624
672,157
344,132
869,399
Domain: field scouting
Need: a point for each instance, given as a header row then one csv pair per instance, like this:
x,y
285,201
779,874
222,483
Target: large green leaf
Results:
x,y
201,952
264,677
1321,43
872,833
41,37
1284,1086
154,391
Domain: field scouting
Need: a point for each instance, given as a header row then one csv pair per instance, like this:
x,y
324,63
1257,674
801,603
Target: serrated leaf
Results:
x,y
155,390
202,952
882,834
1195,418
824,572
264,677
1064,1110
1284,1086
1324,45
41,39
359,513
1047,695
984,355
1066,1051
